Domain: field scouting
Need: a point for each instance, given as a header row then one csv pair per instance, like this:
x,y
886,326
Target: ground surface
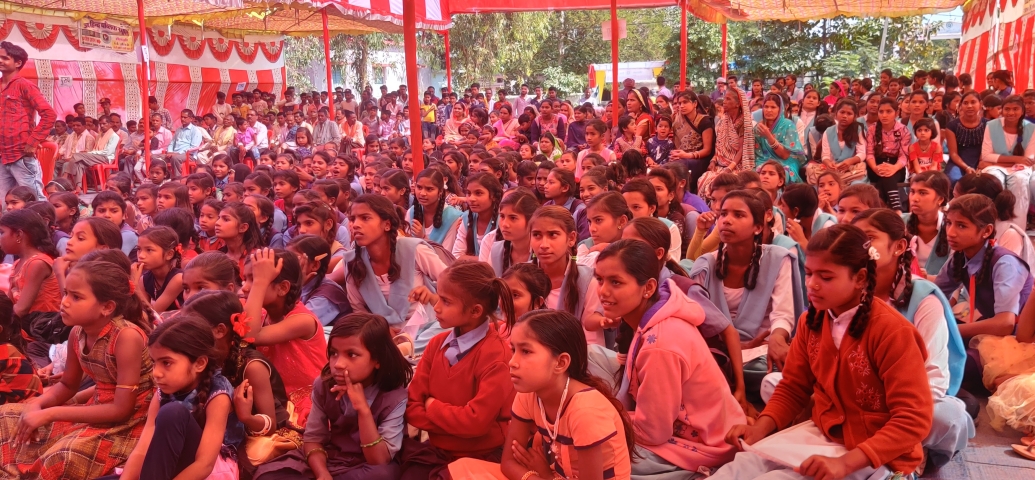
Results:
x,y
988,457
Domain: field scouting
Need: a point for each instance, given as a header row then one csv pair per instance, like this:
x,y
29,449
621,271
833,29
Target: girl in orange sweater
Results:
x,y
461,392
862,364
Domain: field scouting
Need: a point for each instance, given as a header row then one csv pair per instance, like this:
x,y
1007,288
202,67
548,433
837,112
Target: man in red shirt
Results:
x,y
20,101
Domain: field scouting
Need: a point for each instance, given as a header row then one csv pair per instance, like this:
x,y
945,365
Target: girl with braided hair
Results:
x,y
928,194
754,285
924,305
873,407
511,244
321,295
997,281
392,276
282,327
484,193
260,401
1007,234
431,218
193,409
1008,152
573,287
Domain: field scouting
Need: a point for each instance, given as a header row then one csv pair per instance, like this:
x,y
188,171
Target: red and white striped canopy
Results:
x,y
998,35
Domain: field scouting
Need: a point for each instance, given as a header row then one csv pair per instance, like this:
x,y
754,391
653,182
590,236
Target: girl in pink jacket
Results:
x,y
678,398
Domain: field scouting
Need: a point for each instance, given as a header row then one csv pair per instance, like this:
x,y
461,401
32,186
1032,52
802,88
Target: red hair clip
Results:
x,y
132,287
240,323
179,249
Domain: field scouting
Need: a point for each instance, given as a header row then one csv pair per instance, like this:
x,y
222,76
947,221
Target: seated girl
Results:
x,y
997,282
325,298
928,194
590,435
483,193
1007,234
510,244
461,392
573,286
561,189
356,427
800,205
680,402
608,214
855,199
927,309
46,437
706,239
193,409
873,420
387,269
431,217
641,197
753,284
283,329
1007,152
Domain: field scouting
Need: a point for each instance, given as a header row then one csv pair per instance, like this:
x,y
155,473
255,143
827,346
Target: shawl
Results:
x,y
101,144
729,144
224,137
787,135
644,116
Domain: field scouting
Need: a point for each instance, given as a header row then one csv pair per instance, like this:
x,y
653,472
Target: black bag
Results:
x,y
46,327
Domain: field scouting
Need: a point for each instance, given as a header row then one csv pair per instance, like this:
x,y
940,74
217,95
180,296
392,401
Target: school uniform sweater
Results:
x,y
872,393
471,412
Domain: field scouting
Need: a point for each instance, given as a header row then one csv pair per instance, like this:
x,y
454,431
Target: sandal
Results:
x,y
1027,441
1026,451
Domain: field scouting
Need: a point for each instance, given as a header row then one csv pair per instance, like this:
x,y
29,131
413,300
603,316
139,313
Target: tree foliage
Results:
x,y
556,48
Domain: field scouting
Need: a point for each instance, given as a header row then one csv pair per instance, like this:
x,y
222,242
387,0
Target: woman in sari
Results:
x,y
776,138
639,109
837,92
734,137
507,126
694,136
453,124
222,140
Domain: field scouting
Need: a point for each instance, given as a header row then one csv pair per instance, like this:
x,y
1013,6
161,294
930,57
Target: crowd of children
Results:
x,y
547,298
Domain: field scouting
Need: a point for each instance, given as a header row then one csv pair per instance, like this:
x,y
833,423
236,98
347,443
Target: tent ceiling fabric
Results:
x,y
719,10
232,17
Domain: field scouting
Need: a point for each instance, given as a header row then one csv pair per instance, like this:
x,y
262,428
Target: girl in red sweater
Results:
x,y
862,364
461,393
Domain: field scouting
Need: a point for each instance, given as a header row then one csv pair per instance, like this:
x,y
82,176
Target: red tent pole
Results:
x,y
145,82
410,47
682,47
449,68
327,59
614,62
724,62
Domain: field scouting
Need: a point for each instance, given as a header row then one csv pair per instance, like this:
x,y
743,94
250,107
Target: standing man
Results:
x,y
19,102
520,102
167,119
628,86
350,102
662,89
221,109
105,104
538,97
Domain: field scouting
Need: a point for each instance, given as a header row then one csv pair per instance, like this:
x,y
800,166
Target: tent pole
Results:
x,y
614,62
412,77
327,60
145,83
724,48
682,47
449,68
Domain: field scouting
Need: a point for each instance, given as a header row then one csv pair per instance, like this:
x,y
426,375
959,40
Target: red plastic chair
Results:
x,y
100,171
46,154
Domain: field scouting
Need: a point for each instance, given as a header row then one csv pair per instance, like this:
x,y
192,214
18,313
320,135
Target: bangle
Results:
x,y
371,444
317,449
267,425
529,474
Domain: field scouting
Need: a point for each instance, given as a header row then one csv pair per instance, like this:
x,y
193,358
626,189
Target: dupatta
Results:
x,y
787,135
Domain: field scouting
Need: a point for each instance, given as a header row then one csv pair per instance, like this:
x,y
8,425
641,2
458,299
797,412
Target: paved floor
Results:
x,y
988,457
